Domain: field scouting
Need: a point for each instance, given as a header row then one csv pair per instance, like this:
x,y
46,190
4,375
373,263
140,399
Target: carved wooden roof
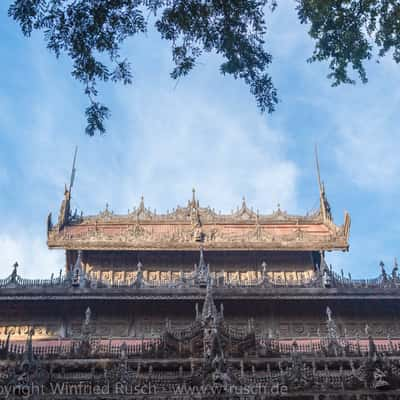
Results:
x,y
187,228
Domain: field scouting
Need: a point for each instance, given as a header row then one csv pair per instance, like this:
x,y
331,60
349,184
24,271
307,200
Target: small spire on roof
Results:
x,y
193,197
141,206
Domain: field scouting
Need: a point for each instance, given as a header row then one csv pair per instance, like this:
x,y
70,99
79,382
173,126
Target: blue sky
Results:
x,y
205,132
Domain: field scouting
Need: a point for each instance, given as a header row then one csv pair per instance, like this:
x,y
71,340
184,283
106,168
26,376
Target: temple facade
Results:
x,y
198,304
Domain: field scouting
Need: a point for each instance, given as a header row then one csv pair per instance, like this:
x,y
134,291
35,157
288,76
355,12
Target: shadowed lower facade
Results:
x,y
198,304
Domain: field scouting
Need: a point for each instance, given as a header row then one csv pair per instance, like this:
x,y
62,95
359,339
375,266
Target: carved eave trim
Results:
x,y
180,236
71,245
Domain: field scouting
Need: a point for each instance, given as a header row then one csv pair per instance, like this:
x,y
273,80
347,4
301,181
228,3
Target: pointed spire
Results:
x,y
78,262
331,325
65,209
371,343
324,204
202,263
318,170
202,270
73,171
141,205
194,202
209,308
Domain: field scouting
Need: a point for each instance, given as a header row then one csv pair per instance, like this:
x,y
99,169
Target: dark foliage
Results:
x,y
88,30
347,32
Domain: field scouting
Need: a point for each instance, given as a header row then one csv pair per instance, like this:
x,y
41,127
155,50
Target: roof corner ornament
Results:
x,y
346,225
14,273
49,223
65,209
324,204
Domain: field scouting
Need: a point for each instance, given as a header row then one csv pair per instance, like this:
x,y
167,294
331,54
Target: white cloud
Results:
x,y
192,141
31,253
369,154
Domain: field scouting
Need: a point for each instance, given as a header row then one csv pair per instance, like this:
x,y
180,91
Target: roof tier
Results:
x,y
187,228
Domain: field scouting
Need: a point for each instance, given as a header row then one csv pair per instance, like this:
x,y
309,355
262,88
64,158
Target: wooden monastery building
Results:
x,y
199,305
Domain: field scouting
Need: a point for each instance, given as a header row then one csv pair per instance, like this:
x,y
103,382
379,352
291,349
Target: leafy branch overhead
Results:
x,y
345,33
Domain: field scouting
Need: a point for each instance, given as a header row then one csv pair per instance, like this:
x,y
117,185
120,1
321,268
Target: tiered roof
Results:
x,y
185,228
